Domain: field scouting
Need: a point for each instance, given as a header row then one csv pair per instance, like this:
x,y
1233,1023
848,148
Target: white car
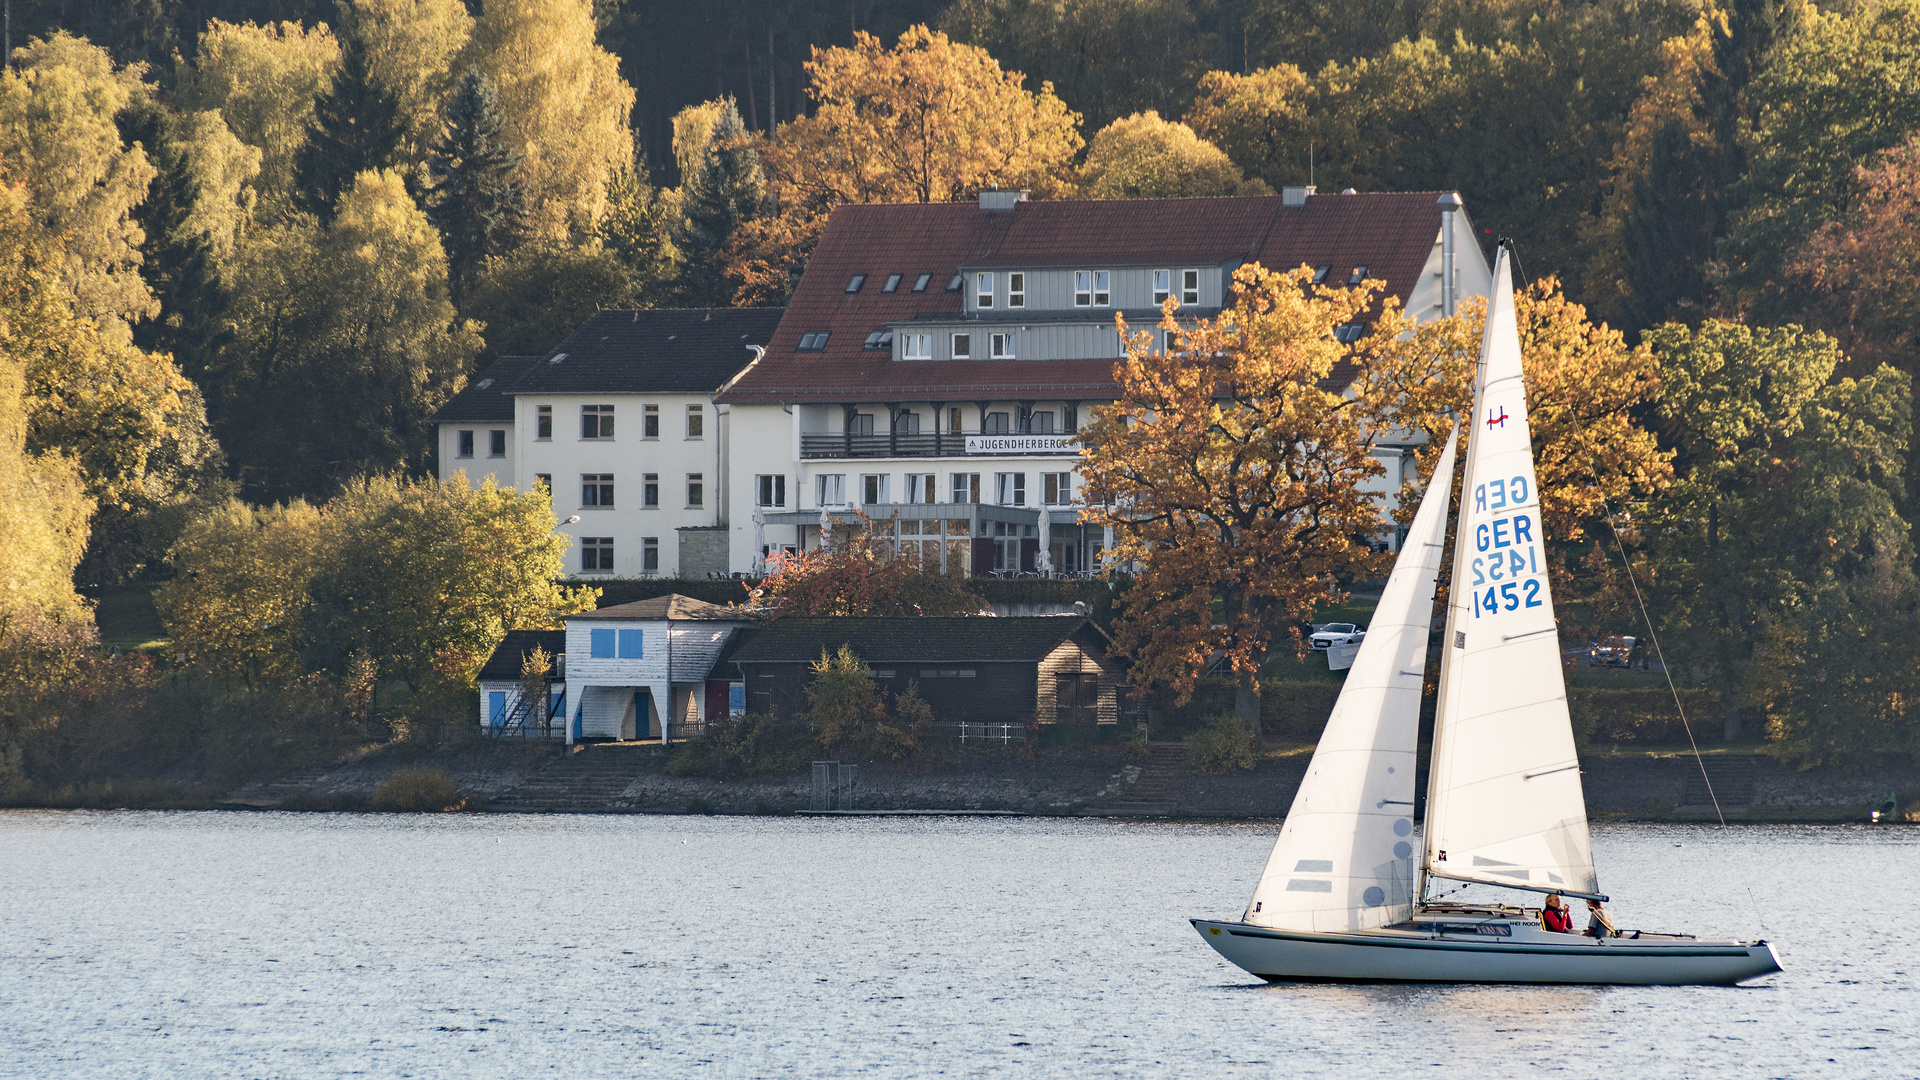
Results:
x,y
1339,633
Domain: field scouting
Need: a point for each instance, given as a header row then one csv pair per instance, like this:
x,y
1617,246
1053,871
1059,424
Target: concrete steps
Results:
x,y
591,779
1154,793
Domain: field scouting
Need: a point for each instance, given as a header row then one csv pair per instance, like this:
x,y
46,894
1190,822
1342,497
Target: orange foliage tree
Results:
x,y
858,574
1231,474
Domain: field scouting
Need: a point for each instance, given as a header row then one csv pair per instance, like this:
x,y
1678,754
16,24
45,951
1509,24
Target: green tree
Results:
x,y
1145,157
264,80
357,127
411,46
237,603
638,229
1787,492
728,190
58,136
475,196
532,299
345,344
843,701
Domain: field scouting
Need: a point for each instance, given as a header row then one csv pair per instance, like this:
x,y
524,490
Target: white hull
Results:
x,y
1527,956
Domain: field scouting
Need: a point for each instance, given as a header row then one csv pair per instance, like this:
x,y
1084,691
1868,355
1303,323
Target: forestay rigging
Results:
x,y
1345,858
1504,803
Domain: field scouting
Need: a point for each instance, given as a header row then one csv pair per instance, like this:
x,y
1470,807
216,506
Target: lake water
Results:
x,y
137,944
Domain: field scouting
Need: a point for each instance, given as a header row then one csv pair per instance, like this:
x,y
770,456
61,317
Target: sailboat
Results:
x,y
1345,894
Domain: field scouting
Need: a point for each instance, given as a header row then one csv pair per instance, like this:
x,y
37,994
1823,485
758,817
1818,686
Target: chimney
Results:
x,y
996,199
1448,203
1295,196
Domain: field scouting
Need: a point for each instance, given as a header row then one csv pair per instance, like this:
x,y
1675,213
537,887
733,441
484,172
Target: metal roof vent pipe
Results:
x,y
1295,196
1449,205
996,199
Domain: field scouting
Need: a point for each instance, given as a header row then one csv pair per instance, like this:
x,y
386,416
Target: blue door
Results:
x,y
642,715
497,707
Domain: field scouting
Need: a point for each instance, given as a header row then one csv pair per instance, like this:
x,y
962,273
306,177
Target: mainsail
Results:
x,y
1504,803
1345,857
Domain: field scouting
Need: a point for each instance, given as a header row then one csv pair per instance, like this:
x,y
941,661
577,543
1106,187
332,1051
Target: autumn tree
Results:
x,y
59,106
1785,504
1231,475
475,195
264,81
1862,272
843,701
1145,157
411,47
563,105
236,605
858,573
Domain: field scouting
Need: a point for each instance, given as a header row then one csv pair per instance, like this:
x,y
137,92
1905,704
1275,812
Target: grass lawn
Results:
x,y
126,617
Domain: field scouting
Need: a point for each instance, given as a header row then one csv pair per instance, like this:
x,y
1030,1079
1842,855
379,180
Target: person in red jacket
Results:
x,y
1554,916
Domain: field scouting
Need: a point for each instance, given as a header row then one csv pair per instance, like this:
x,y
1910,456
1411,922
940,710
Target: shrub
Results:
x,y
754,743
1647,717
416,791
907,732
843,701
1225,745
1297,709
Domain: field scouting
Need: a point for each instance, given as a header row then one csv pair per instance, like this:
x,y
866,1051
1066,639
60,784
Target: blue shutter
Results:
x,y
602,642
631,645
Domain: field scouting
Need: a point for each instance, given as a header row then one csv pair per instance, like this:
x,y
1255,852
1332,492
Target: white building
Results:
x,y
640,670
619,422
935,359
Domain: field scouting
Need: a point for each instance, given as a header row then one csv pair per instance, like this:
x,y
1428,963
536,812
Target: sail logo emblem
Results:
x,y
1497,421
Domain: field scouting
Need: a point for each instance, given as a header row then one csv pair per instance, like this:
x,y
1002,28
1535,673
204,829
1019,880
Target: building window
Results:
x,y
953,420
860,424
854,282
1092,288
696,489
1320,274
771,489
650,490
650,422
650,553
1162,286
496,443
1057,488
966,487
463,444
596,421
1189,286
962,346
596,489
543,426
1007,543
1359,275
916,347
696,421
1016,290
984,294
596,556
1002,345
544,480
873,489
1040,423
893,282
907,423
1349,333
815,341
995,423
920,283
1010,488
830,489
920,487
633,645
600,644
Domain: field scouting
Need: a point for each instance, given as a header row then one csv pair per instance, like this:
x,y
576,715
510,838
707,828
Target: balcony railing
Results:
x,y
945,444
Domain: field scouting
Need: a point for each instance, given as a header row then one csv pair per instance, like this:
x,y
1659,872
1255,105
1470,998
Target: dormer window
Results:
x,y
920,283
1359,275
1002,346
983,296
893,282
854,283
1016,290
815,341
958,280
916,347
1162,286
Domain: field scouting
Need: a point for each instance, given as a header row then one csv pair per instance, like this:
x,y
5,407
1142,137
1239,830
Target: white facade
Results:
x,y
643,678
480,450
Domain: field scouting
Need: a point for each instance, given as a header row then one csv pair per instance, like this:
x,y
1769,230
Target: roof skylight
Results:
x,y
958,280
1320,274
1359,275
814,341
853,285
893,282
920,283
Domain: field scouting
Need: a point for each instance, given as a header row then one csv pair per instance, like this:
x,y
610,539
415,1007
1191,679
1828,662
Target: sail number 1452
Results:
x,y
1506,574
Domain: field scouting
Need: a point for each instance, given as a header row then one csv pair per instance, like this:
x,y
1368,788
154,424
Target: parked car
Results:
x,y
1339,633
1614,650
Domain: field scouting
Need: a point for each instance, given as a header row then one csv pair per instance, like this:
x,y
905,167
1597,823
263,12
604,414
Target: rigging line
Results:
x,y
1664,669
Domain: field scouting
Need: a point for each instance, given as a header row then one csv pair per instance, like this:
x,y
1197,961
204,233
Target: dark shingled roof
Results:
x,y
488,398
976,638
1393,234
657,351
504,664
670,606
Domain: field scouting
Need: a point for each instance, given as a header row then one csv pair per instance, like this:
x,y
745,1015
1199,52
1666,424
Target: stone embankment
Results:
x,y
614,778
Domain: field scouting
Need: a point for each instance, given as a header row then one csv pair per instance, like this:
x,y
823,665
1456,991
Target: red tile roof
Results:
x,y
1392,234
